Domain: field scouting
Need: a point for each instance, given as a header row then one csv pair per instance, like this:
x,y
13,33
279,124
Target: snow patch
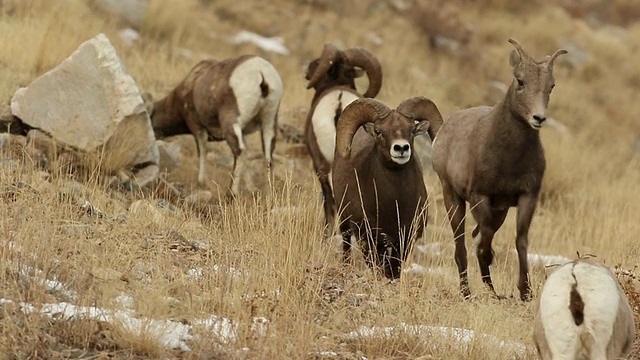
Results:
x,y
51,285
417,269
272,44
546,260
431,249
168,333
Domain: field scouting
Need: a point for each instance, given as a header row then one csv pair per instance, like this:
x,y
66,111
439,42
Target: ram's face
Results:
x,y
340,73
394,136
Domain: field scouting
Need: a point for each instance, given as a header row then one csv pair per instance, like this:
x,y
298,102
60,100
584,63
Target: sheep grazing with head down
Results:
x,y
333,76
492,158
377,179
583,313
223,101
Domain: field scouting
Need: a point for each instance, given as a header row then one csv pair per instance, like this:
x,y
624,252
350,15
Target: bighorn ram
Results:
x,y
583,313
378,180
332,76
492,158
223,101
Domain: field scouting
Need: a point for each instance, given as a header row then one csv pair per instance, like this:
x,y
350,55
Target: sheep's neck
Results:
x,y
166,118
512,146
512,156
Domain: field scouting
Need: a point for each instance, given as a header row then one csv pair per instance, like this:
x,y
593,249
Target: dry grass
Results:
x,y
263,256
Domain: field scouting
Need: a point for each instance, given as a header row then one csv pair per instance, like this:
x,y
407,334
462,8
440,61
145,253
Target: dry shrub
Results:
x,y
284,270
619,12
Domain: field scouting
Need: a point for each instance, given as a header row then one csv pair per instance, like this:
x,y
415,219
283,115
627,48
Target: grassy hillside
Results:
x,y
261,263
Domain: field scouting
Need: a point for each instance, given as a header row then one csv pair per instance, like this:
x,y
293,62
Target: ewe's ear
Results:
x,y
421,127
514,58
358,72
370,129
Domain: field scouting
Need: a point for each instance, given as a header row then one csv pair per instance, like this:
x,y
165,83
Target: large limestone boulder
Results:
x,y
89,103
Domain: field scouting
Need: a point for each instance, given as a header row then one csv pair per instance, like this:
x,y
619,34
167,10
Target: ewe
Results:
x,y
492,158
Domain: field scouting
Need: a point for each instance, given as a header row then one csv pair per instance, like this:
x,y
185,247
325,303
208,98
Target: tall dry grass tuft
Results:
x,y
260,262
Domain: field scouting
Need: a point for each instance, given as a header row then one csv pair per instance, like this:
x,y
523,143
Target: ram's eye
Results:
x,y
377,131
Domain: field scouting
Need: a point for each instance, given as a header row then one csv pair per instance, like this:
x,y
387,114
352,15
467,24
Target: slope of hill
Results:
x,y
151,279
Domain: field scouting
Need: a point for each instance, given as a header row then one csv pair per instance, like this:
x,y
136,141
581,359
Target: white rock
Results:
x,y
131,12
272,44
170,154
90,103
129,36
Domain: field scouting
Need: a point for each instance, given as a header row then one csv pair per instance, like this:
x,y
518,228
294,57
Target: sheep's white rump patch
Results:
x,y
601,301
245,81
323,120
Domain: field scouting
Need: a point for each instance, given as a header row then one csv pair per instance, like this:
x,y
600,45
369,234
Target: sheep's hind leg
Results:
x,y
455,207
269,123
235,140
489,221
201,136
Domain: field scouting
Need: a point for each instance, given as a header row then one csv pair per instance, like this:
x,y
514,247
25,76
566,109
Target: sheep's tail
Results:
x,y
576,307
264,87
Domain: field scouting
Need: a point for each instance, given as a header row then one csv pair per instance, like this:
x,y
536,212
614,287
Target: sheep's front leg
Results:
x,y
200,134
526,207
455,207
328,203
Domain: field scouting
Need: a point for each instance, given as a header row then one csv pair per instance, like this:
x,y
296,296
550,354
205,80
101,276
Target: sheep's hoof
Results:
x,y
465,292
525,296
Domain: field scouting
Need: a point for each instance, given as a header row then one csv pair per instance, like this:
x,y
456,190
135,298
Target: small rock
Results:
x,y
9,123
198,198
143,208
129,36
12,144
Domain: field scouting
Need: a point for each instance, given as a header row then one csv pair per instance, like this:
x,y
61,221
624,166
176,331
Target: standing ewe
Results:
x,y
492,158
333,78
378,181
583,314
223,101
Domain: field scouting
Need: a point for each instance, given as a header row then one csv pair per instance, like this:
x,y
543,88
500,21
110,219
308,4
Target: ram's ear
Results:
x,y
421,127
370,128
359,72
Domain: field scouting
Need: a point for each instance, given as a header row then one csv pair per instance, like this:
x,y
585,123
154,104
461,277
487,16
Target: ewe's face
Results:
x,y
394,136
532,85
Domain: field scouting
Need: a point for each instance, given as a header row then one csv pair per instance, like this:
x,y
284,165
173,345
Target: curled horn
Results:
x,y
329,55
553,57
421,108
364,59
521,53
356,114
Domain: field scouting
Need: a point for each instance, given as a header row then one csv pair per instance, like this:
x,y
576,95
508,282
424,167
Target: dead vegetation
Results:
x,y
263,255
